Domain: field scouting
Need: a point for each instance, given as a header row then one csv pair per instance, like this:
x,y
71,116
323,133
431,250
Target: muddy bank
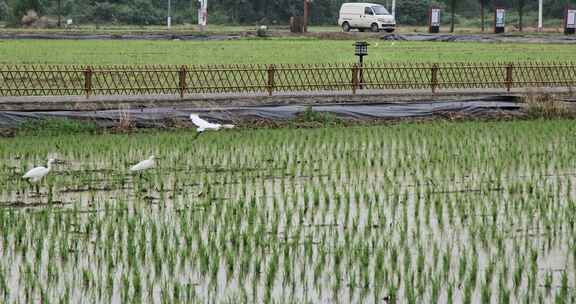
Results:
x,y
77,36
335,35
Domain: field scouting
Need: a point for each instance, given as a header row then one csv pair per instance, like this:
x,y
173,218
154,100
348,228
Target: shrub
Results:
x,y
55,126
21,7
411,12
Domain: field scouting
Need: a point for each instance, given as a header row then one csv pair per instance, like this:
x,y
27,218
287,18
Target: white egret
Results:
x,y
203,125
38,173
144,165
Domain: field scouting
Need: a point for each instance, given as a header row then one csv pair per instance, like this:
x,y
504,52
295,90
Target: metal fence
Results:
x,y
46,80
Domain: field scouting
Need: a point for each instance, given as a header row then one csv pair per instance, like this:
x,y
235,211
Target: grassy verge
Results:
x,y
55,126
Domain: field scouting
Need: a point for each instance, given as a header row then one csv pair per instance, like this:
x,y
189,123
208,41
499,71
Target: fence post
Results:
x,y
88,81
271,70
182,78
434,78
354,78
509,79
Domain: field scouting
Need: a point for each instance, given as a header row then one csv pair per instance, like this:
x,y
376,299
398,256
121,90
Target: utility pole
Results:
x,y
169,19
305,16
540,9
394,9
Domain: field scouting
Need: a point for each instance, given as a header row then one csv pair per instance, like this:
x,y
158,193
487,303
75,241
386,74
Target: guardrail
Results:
x,y
48,80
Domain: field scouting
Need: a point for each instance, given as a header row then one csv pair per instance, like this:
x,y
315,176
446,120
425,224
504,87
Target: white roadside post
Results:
x,y
202,14
569,21
394,9
540,23
169,18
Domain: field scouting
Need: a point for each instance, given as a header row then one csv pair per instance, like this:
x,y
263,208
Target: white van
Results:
x,y
364,16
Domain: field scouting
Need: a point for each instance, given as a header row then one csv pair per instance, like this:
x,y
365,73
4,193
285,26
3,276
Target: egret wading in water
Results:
x,y
144,165
37,174
204,125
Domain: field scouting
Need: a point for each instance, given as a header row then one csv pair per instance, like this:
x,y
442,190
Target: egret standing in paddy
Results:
x,y
37,174
204,125
144,165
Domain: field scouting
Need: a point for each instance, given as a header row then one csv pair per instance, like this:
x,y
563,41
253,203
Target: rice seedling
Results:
x,y
436,212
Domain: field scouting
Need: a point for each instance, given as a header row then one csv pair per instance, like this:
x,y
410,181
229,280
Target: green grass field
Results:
x,y
277,50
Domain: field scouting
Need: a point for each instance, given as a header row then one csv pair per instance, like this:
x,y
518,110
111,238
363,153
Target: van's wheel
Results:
x,y
374,27
345,27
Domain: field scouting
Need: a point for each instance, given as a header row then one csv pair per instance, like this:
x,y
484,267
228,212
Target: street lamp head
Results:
x,y
361,48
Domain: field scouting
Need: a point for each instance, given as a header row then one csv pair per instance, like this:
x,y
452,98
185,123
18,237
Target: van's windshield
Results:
x,y
380,10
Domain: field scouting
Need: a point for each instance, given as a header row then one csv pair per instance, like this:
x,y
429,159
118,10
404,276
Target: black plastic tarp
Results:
x,y
147,117
480,38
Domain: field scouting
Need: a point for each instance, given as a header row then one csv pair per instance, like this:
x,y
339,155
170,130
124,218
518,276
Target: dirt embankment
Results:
x,y
196,36
150,36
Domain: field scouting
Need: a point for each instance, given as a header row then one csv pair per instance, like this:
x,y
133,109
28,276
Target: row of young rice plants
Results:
x,y
434,213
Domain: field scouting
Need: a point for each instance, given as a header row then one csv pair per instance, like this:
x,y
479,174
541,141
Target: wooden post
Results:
x,y
434,78
88,81
271,70
297,24
509,79
361,73
182,78
355,71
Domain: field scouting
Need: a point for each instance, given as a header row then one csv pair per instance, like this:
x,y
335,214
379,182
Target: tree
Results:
x,y
520,4
4,10
23,6
251,12
411,12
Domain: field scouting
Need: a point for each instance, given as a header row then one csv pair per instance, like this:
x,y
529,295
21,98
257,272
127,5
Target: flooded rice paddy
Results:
x,y
412,213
